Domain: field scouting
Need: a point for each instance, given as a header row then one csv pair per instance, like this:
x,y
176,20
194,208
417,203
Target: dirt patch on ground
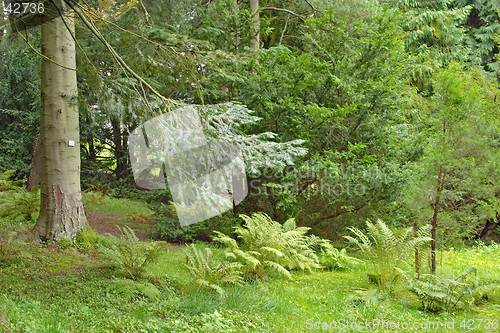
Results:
x,y
107,224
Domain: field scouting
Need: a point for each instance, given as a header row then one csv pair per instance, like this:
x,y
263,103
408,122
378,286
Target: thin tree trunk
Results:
x,y
439,189
117,140
417,259
255,40
62,214
2,22
34,178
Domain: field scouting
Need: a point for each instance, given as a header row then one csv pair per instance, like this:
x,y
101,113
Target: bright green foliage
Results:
x,y
208,274
131,289
459,140
386,249
266,244
330,257
438,293
130,254
86,237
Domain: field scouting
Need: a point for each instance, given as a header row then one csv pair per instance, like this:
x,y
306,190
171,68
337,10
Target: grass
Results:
x,y
95,202
49,288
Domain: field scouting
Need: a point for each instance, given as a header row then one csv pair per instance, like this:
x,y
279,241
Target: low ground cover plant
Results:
x,y
129,253
208,273
263,244
387,249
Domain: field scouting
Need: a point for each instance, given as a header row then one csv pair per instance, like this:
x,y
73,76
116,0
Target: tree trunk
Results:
x,y
118,151
439,189
34,178
62,214
417,259
255,40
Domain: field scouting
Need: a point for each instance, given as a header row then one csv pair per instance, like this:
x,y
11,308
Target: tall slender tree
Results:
x,y
62,214
254,8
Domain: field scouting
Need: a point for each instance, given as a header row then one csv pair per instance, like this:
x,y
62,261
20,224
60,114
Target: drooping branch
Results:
x,y
84,17
284,10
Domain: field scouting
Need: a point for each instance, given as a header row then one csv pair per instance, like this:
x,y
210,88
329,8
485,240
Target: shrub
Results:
x,y
206,273
332,258
167,226
130,254
387,249
266,244
437,294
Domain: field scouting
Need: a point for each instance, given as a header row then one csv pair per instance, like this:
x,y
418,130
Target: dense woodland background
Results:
x,y
371,136
395,101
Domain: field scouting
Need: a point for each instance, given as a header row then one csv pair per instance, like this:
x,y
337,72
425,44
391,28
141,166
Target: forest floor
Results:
x,y
67,288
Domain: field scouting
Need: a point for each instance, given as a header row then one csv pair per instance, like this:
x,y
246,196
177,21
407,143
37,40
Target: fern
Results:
x,y
208,274
19,203
437,294
266,244
332,258
130,289
7,184
86,237
130,254
387,249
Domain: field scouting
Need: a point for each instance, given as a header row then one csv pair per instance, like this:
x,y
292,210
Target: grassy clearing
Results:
x,y
56,288
49,289
95,202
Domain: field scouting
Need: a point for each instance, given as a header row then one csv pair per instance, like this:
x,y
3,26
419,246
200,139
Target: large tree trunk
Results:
x,y
34,178
62,214
255,41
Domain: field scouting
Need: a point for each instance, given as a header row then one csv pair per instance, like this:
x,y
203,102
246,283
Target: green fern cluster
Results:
x,y
86,237
130,289
332,258
7,184
266,244
130,254
437,294
15,201
387,249
208,274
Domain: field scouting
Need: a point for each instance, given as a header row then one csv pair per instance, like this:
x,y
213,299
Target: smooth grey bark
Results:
x,y
62,214
255,41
